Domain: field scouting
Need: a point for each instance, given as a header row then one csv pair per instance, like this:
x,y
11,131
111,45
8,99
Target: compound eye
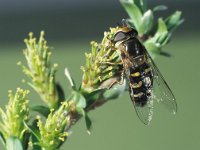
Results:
x,y
119,37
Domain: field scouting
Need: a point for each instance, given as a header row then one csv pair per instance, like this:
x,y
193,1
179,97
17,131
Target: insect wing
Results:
x,y
144,113
161,90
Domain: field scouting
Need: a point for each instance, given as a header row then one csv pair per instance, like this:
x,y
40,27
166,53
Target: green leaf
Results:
x,y
36,146
174,21
2,139
94,95
153,48
133,11
160,8
43,110
25,140
142,4
71,81
161,33
78,98
35,137
33,129
115,91
81,102
13,143
162,28
61,94
80,111
146,22
162,38
166,40
88,123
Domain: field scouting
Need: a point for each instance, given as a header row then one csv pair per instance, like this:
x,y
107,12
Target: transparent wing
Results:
x,y
144,113
161,90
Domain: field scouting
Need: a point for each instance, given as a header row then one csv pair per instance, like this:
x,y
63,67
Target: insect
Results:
x,y
146,83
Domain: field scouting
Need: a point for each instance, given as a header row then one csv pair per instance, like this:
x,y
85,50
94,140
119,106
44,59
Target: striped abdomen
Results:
x,y
141,82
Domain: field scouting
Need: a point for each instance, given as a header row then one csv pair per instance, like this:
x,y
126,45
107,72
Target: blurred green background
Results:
x,y
70,26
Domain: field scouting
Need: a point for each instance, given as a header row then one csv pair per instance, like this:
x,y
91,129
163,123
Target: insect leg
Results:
x,y
110,63
119,80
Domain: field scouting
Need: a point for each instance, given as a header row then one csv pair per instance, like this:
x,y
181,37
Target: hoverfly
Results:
x,y
146,83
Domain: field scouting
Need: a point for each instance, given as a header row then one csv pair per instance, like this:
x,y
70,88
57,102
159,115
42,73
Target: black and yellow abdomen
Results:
x,y
141,82
140,74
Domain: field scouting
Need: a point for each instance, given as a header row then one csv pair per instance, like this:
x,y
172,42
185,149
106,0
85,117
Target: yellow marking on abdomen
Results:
x,y
138,95
136,74
136,85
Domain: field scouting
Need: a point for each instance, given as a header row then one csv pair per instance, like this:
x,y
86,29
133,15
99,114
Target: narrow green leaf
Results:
x,y
88,123
161,33
81,102
33,129
142,4
115,91
176,25
13,143
2,139
162,28
166,40
160,8
36,146
71,81
146,22
133,11
25,140
162,37
174,20
153,47
80,111
78,98
35,139
61,93
43,110
94,95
